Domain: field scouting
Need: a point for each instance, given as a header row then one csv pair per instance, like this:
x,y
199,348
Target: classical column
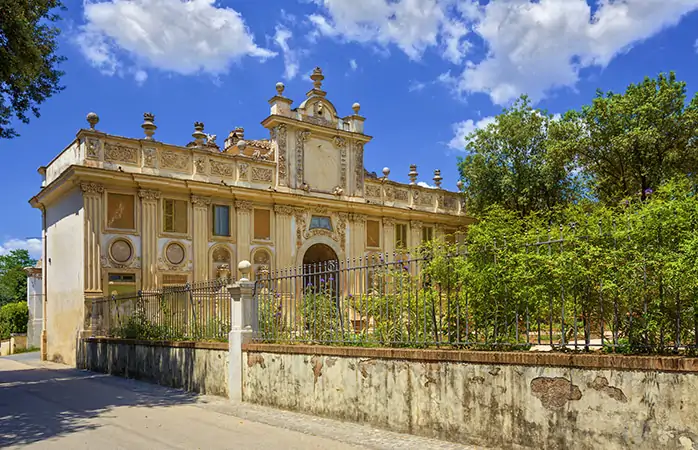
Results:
x,y
415,234
200,236
92,194
357,248
388,237
243,215
149,238
283,236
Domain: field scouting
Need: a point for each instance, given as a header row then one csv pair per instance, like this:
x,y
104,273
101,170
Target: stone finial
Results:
x,y
459,185
244,268
413,174
93,120
242,145
317,78
148,125
356,107
386,172
437,178
280,89
198,134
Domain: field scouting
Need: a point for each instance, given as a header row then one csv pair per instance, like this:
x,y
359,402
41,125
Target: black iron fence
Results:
x,y
199,311
555,294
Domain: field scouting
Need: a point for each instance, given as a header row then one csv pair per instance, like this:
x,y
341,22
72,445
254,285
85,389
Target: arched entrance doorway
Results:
x,y
320,268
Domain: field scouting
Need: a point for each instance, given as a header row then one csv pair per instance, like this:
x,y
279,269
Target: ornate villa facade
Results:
x,y
126,214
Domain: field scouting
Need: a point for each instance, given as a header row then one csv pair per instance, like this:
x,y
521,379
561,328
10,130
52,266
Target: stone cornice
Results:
x,y
276,119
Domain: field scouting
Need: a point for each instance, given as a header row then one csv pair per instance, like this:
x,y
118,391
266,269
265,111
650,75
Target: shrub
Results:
x,y
13,319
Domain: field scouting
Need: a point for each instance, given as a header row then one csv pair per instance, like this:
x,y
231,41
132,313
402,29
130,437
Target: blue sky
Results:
x,y
426,72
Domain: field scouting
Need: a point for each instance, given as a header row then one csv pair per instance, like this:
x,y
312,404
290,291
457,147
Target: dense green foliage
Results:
x,y
14,318
13,278
28,60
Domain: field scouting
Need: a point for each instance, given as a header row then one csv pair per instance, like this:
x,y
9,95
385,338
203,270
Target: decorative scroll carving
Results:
x,y
416,225
200,165
319,209
243,205
200,202
342,230
149,194
222,169
261,256
357,218
92,188
300,227
373,191
318,121
120,153
342,163
149,155
401,195
426,200
388,222
108,263
389,193
221,255
174,160
243,168
359,168
280,134
284,209
92,148
262,174
338,234
301,137
340,142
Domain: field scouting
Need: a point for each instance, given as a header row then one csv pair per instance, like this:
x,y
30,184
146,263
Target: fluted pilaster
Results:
x,y
92,194
243,215
149,238
200,236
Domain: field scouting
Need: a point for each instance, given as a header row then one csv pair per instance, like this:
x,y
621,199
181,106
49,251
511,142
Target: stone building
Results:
x,y
125,214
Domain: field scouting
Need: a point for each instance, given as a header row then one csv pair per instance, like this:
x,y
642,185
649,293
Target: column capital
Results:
x,y
357,218
89,187
284,210
416,224
200,202
388,222
148,194
243,205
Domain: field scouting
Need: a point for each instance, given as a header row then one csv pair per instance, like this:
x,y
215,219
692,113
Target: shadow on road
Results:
x,y
37,404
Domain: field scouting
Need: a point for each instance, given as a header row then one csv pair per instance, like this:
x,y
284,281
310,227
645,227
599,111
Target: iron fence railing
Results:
x,y
479,298
199,311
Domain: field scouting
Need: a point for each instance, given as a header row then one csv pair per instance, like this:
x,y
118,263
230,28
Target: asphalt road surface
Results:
x,y
49,406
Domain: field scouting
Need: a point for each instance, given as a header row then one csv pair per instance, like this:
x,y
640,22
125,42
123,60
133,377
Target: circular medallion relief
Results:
x,y
175,254
121,251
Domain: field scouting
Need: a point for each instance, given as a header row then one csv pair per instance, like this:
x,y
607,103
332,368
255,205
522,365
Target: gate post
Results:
x,y
243,328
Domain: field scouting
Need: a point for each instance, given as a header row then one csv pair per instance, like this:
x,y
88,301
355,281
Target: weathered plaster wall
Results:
x,y
201,368
35,303
64,267
482,404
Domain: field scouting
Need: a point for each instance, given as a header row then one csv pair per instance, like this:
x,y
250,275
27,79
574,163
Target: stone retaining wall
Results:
x,y
503,400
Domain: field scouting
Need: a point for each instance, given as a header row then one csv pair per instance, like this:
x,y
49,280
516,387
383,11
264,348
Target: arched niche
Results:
x,y
221,258
261,263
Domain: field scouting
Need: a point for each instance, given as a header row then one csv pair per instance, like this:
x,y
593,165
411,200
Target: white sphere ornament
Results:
x,y
280,88
244,267
386,171
356,107
242,145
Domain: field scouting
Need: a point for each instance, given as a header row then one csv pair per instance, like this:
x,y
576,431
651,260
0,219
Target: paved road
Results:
x,y
47,406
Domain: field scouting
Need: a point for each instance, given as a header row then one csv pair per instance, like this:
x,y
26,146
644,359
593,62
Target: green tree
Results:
x,y
28,62
509,164
629,144
13,279
14,318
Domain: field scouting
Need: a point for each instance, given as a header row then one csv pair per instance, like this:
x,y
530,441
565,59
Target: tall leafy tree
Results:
x,y
13,279
631,143
509,164
28,59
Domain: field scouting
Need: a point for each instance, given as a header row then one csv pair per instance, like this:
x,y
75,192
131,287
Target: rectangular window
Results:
x,y
121,211
221,220
175,216
427,234
373,233
262,224
122,284
400,235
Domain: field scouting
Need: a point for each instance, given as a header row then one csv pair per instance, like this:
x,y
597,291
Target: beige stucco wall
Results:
x,y
64,265
178,365
491,405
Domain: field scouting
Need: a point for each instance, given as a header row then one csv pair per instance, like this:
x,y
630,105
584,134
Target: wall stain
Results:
x,y
495,371
255,358
316,364
554,393
601,384
330,361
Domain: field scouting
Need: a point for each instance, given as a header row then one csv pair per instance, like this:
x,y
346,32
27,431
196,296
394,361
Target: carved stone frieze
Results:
x,y
357,218
416,225
425,199
120,153
388,222
318,120
108,263
340,142
300,226
301,137
91,188
401,195
221,169
174,160
200,165
149,194
389,193
359,167
165,265
243,170
149,157
262,174
280,134
284,210
92,145
200,202
373,191
243,205
342,164
450,202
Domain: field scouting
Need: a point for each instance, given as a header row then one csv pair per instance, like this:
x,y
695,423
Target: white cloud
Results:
x,y
282,36
461,130
425,185
531,46
695,45
416,86
184,37
32,245
353,64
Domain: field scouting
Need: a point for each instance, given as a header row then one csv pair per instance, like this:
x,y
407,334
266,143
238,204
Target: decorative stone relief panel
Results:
x,y
389,193
120,255
120,154
426,199
200,165
301,137
450,202
338,234
243,169
342,144
373,191
359,168
401,195
262,174
221,168
93,148
174,160
280,137
149,157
